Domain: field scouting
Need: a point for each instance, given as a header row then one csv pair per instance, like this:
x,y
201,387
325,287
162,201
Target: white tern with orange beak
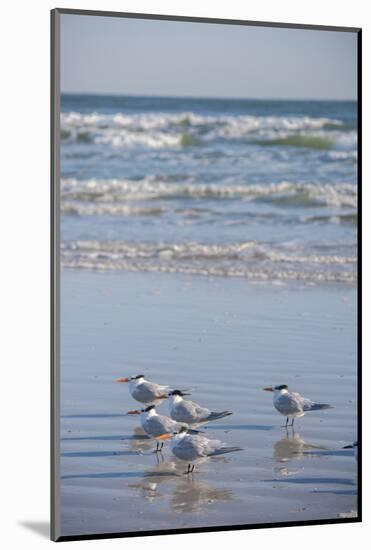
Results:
x,y
143,390
196,448
292,404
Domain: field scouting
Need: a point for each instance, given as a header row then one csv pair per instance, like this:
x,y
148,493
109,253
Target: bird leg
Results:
x,y
159,446
292,422
193,467
287,421
188,470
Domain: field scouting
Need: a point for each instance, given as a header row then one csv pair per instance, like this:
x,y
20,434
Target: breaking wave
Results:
x,y
299,140
251,260
174,130
98,196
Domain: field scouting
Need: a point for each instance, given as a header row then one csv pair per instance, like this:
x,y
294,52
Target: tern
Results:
x,y
143,390
196,448
183,410
156,425
292,404
353,446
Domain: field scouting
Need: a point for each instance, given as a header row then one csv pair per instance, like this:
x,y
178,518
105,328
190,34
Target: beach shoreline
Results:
x,y
226,339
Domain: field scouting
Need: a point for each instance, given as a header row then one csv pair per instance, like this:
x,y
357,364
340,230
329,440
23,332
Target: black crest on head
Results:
x,y
138,376
182,430
176,392
149,408
282,387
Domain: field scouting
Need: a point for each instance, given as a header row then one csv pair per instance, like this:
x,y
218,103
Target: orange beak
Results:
x,y
268,389
163,437
122,379
133,412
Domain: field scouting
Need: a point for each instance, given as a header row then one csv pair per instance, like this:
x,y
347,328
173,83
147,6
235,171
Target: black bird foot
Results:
x,y
190,469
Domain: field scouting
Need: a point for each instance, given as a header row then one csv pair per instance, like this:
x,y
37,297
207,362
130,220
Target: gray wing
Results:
x,y
191,447
156,389
309,405
306,404
289,403
213,445
148,391
159,425
190,412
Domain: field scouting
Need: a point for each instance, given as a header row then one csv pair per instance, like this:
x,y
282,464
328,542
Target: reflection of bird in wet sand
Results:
x,y
143,390
185,495
139,441
292,404
150,486
183,410
156,425
292,447
196,448
192,496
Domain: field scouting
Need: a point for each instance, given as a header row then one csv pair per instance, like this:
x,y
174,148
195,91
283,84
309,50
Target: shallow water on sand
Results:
x,y
226,339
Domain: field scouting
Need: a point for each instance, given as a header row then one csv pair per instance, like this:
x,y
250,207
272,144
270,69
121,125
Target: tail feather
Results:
x,y
194,432
217,415
225,450
320,406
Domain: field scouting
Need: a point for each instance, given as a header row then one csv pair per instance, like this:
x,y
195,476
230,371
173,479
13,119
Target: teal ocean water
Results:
x,y
264,190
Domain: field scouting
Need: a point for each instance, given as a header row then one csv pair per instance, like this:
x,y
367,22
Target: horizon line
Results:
x,y
236,98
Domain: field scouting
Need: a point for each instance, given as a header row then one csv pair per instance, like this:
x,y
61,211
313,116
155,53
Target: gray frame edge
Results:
x,y
55,274
220,21
55,532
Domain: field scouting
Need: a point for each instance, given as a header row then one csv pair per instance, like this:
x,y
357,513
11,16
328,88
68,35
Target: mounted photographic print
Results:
x,y
205,315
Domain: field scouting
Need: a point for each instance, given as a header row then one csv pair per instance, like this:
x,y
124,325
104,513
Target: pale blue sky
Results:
x,y
148,57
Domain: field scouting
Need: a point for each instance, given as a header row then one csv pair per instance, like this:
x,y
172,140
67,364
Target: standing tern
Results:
x,y
143,390
183,410
292,404
196,448
156,425
353,446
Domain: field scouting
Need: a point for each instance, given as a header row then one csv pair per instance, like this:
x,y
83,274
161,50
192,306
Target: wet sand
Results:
x,y
227,339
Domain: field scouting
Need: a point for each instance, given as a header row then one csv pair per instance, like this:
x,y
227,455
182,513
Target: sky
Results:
x,y
107,55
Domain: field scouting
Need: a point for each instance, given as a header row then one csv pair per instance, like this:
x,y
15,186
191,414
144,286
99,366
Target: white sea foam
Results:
x,y
109,209
158,120
252,260
164,130
79,192
343,155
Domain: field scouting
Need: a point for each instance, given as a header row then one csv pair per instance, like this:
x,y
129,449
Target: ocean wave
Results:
x,y
343,155
81,209
169,130
158,120
251,259
114,191
338,219
299,140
